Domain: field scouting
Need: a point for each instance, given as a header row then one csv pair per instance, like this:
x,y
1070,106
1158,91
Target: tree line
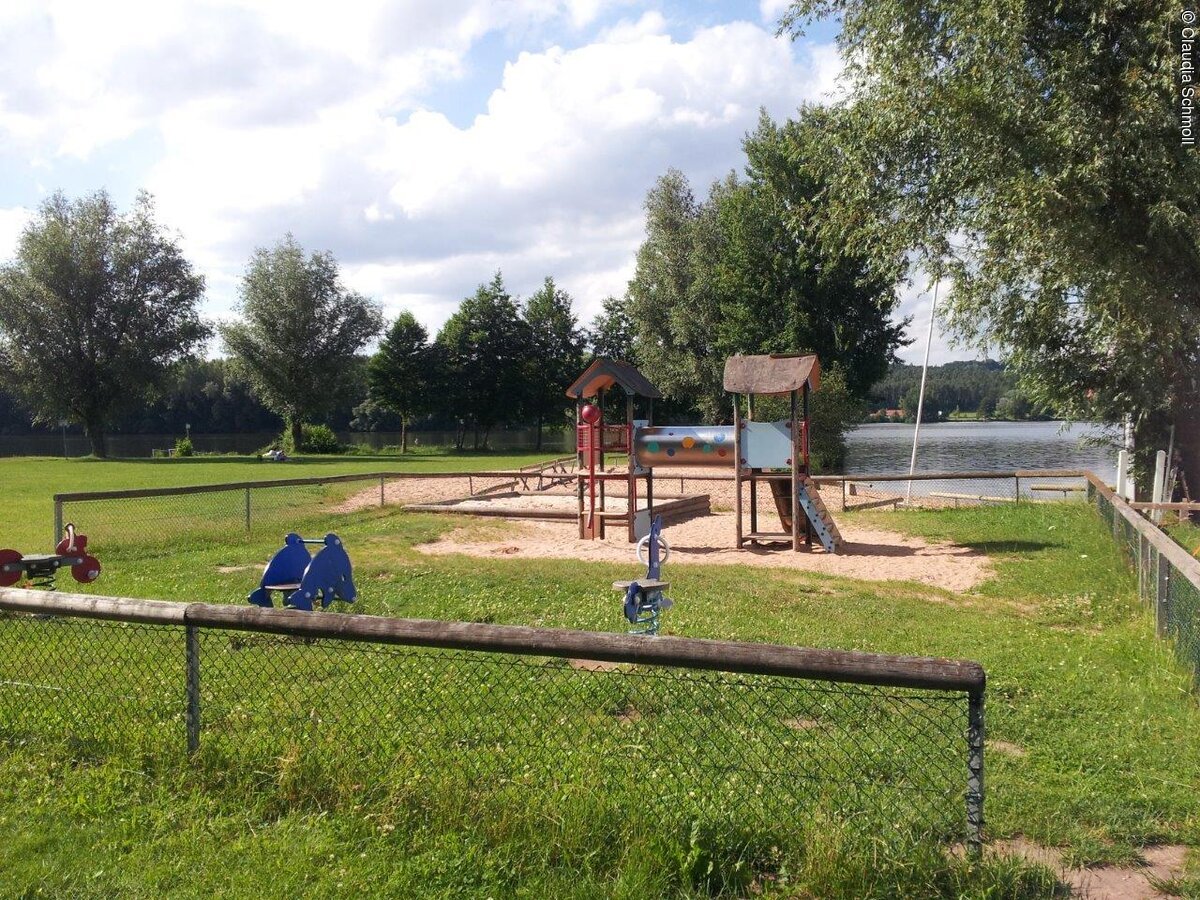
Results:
x,y
986,388
99,323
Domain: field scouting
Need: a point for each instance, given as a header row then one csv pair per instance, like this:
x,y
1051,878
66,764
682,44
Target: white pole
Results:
x,y
1130,486
912,462
1122,471
1160,480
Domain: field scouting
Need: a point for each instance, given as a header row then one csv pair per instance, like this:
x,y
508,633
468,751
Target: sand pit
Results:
x,y
870,554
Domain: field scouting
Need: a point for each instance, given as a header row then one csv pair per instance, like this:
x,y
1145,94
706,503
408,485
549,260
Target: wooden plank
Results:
x,y
1179,507
872,504
82,496
980,497
693,653
87,606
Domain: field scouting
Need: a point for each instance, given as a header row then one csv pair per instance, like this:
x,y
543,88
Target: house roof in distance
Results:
x,y
775,373
604,373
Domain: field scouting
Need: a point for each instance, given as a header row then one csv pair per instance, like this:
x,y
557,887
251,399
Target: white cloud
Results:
x,y
916,300
266,117
771,10
12,223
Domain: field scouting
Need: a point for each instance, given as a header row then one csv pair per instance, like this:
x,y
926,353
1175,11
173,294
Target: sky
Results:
x,y
426,144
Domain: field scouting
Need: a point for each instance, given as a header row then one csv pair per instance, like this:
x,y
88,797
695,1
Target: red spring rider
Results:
x,y
41,568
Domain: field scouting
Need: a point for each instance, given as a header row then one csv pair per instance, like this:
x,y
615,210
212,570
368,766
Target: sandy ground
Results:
x,y
875,555
1159,864
708,540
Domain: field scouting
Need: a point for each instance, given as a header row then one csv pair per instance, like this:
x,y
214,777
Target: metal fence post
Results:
x,y
192,642
975,737
247,510
1017,498
58,521
1162,608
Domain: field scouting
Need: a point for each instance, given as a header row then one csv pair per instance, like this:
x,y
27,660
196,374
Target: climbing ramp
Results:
x,y
814,508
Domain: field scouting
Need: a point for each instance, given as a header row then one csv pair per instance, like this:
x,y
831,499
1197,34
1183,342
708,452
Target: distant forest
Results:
x,y
974,389
209,396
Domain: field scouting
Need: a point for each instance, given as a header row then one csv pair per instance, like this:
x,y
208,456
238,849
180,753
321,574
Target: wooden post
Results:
x,y
808,529
737,467
579,464
381,490
631,493
598,525
796,463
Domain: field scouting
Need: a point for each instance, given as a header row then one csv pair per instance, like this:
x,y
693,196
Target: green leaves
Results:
x,y
1029,151
300,330
95,308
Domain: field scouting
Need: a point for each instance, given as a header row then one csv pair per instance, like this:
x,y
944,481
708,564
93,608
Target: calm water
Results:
x,y
980,446
874,449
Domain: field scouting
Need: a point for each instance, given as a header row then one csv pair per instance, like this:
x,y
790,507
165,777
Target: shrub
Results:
x,y
183,447
313,439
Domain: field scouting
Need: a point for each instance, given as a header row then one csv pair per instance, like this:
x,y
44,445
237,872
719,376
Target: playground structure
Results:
x,y
774,453
300,578
40,569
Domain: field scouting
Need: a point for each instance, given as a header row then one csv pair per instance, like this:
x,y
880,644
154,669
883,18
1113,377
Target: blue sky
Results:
x,y
426,144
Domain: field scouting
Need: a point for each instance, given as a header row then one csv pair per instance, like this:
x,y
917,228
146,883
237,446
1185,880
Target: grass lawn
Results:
x,y
1092,731
30,482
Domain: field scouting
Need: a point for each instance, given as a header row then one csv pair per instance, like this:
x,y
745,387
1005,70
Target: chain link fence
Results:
x,y
1168,577
150,515
147,516
757,740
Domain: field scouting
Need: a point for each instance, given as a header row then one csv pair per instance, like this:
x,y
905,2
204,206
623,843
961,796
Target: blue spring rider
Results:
x,y
644,599
300,578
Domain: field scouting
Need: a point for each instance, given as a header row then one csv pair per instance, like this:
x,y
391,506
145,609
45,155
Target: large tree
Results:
x,y
1032,152
300,332
485,346
746,271
403,374
555,354
94,310
612,332
672,298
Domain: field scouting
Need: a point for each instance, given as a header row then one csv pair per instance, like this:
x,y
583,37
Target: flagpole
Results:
x,y
912,463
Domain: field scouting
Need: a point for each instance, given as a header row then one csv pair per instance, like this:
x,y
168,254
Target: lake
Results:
x,y
980,446
874,449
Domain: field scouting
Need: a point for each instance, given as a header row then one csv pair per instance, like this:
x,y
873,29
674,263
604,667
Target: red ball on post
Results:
x,y
591,414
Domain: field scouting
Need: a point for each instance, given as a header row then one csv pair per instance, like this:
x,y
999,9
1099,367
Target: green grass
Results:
x,y
1186,534
1092,724
29,483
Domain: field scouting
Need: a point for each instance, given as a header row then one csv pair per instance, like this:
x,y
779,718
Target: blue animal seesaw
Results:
x,y
644,599
300,578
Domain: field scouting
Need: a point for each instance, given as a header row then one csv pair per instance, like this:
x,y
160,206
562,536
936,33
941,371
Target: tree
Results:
x,y
1031,152
403,374
555,354
612,332
747,271
95,309
300,332
485,345
672,298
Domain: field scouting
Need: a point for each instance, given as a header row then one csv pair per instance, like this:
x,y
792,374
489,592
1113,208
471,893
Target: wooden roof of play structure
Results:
x,y
778,373
604,373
